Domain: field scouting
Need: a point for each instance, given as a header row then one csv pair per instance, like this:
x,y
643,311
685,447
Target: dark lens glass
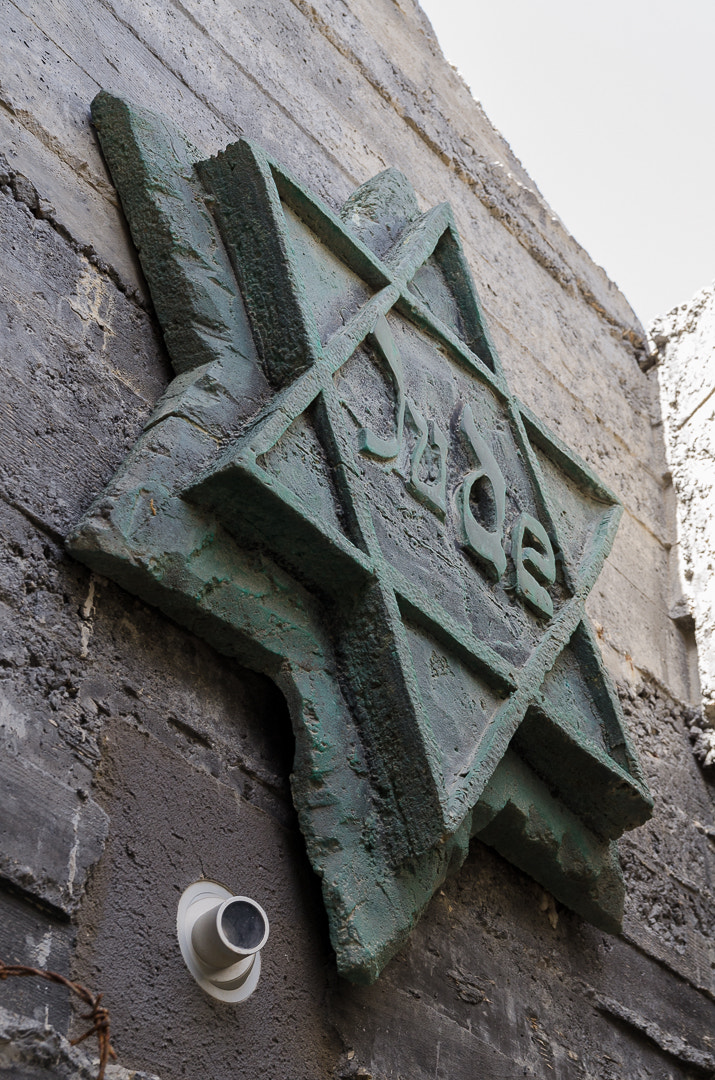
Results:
x,y
243,924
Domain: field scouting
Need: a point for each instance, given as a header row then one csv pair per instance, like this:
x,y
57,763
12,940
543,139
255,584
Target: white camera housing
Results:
x,y
221,937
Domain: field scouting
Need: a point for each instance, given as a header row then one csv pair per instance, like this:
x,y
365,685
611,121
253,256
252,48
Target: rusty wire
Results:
x,y
98,1014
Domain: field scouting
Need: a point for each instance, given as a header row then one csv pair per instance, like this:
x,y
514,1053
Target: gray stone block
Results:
x,y
50,835
30,1050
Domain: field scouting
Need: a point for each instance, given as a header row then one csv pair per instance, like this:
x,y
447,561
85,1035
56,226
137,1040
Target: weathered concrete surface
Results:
x,y
495,977
302,103
670,864
132,905
467,985
472,987
686,347
338,92
50,834
30,1050
34,937
79,358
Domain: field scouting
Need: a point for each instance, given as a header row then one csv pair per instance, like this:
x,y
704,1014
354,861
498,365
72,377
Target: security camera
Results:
x,y
221,937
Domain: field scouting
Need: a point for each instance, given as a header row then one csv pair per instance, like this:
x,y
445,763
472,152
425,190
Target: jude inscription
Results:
x,y
483,532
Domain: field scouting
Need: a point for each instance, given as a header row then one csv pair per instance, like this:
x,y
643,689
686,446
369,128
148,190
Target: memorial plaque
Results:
x,y
339,489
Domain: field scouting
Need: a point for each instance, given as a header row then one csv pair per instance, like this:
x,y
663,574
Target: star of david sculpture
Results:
x,y
339,490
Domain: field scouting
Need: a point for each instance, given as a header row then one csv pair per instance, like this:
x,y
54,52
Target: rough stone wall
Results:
x,y
123,734
685,338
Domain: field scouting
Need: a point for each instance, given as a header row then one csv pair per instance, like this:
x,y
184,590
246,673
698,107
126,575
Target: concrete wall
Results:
x,y
124,735
685,338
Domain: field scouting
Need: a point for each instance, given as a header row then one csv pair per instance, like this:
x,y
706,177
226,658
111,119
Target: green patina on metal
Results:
x,y
338,489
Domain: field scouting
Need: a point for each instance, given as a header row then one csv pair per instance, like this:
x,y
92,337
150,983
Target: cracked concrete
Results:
x,y
136,722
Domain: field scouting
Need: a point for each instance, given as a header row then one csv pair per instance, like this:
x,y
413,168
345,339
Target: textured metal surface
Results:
x,y
339,489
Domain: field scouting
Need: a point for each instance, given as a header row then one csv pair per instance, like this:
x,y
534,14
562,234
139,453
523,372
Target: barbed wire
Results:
x,y
98,1014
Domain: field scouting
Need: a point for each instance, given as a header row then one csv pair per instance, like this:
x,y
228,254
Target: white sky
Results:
x,y
611,109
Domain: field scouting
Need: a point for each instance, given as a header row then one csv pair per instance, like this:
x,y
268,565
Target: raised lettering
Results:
x,y
483,542
368,441
431,491
535,566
